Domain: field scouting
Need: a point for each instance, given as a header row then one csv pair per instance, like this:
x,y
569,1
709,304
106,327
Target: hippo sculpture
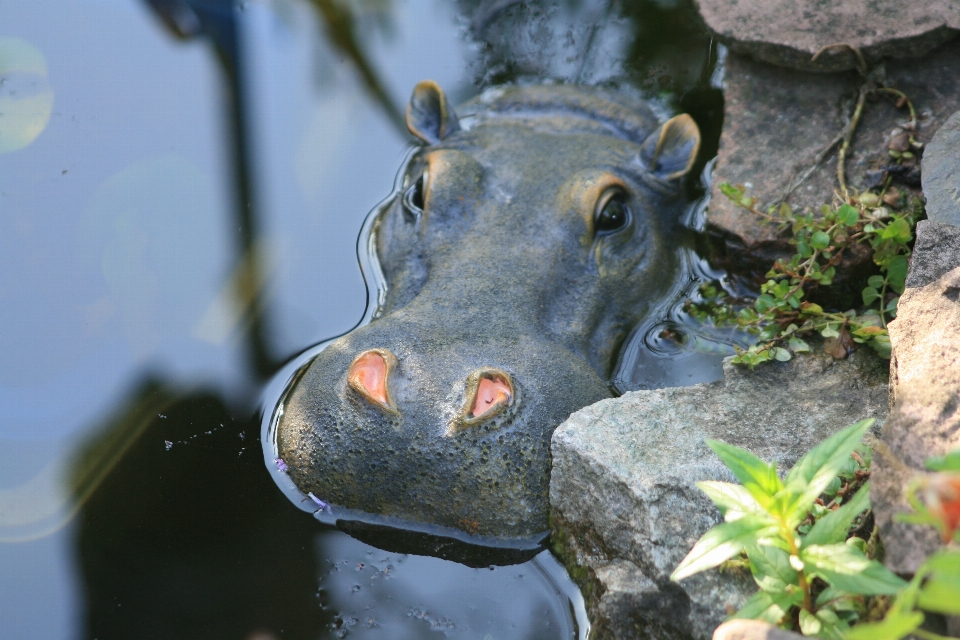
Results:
x,y
525,239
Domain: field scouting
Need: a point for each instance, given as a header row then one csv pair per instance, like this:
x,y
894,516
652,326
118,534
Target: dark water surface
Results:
x,y
181,188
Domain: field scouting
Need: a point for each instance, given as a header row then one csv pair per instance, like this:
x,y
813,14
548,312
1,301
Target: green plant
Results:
x,y
781,315
809,573
935,586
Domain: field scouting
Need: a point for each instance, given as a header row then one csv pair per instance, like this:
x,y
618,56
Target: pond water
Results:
x,y
182,184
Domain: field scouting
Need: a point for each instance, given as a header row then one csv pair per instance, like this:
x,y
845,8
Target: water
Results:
x,y
181,189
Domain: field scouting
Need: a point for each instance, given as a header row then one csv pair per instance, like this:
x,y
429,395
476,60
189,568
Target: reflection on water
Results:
x,y
181,187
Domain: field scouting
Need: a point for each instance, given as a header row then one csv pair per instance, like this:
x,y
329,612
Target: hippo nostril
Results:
x,y
489,392
492,391
369,373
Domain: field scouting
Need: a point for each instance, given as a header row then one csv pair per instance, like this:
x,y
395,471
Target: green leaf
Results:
x,y
898,230
830,331
769,607
870,295
893,627
730,191
949,462
848,215
810,624
803,249
881,344
758,477
764,302
781,354
897,273
798,345
876,282
941,591
845,567
771,568
940,596
817,468
833,527
733,500
719,544
820,240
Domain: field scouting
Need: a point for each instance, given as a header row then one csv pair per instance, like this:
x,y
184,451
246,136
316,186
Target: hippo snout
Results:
x,y
442,431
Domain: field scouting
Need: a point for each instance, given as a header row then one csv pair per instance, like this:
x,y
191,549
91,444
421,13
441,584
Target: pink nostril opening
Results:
x,y
491,392
368,375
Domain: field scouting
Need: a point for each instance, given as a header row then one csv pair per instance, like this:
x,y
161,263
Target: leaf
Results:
x,y
830,331
730,191
719,544
893,627
763,303
733,500
897,273
798,345
949,462
876,282
898,230
848,215
845,567
758,477
940,596
832,528
870,295
819,240
941,591
881,344
817,468
809,623
769,607
771,568
781,354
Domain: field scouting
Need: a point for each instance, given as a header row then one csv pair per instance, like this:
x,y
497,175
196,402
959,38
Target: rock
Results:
x,y
941,173
625,510
925,389
752,630
789,32
777,121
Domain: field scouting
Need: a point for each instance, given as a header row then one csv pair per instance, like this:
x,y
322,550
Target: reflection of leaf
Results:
x,y
25,112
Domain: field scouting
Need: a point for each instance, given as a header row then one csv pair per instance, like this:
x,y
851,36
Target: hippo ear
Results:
x,y
669,152
429,117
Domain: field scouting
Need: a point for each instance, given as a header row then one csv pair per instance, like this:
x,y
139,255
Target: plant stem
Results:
x,y
847,138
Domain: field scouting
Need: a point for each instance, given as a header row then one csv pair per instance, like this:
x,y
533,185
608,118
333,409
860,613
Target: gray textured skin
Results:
x,y
501,270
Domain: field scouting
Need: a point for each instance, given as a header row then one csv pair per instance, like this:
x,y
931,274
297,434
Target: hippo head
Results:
x,y
522,246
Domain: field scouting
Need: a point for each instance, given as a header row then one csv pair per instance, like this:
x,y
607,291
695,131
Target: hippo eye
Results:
x,y
413,198
612,212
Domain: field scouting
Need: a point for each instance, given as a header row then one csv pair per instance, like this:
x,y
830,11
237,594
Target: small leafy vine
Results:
x,y
781,315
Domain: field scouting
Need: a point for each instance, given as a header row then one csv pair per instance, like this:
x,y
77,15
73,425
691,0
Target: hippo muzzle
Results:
x,y
520,248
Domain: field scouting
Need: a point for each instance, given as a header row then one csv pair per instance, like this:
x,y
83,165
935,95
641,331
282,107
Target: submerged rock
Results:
x,y
941,173
625,508
924,386
790,32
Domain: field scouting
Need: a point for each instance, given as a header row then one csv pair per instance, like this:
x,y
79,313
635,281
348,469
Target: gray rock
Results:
x,y
622,486
752,630
789,32
925,389
941,173
777,121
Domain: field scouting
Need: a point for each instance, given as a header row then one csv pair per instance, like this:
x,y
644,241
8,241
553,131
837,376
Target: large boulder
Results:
x,y
941,173
925,389
625,510
778,121
789,33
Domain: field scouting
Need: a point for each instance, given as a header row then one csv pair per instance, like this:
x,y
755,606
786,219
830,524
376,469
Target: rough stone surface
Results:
x,y
789,32
622,487
941,173
777,121
752,630
925,388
